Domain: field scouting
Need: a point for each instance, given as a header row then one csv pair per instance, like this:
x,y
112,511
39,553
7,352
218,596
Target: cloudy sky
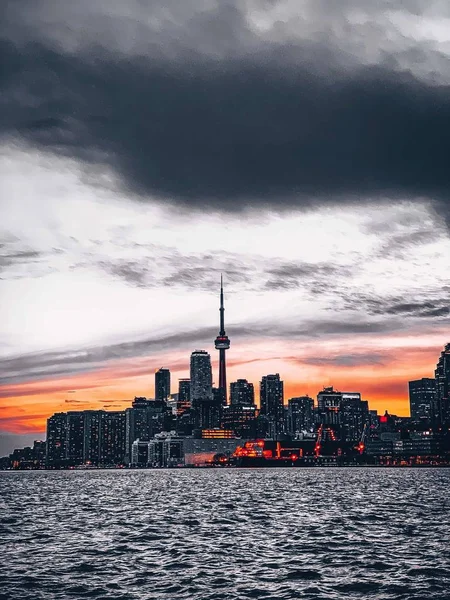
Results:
x,y
298,146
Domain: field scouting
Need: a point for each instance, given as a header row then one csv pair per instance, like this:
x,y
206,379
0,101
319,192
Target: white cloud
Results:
x,y
68,299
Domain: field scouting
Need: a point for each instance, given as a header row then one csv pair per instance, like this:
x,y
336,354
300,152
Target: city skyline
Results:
x,y
295,390
201,386
196,427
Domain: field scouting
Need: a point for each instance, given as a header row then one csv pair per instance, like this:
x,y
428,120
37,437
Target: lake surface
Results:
x,y
226,534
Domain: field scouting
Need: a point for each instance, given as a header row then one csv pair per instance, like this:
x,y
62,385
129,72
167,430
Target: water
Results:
x,y
225,534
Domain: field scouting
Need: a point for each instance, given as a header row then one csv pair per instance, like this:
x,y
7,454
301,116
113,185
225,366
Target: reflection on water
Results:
x,y
226,534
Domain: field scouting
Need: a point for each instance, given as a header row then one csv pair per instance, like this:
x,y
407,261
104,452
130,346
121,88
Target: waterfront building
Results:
x,y
75,437
422,400
328,407
164,450
112,437
143,420
198,452
91,442
139,453
354,416
299,415
56,440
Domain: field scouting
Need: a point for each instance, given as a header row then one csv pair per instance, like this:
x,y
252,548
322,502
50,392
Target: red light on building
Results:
x,y
383,419
294,457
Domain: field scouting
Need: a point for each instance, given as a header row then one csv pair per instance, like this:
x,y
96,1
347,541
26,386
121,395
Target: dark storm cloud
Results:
x,y
436,306
419,309
292,275
202,272
246,122
172,269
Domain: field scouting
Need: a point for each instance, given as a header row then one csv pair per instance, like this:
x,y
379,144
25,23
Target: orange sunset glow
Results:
x,y
25,407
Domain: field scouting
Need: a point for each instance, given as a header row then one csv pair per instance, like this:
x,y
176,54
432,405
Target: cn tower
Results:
x,y
222,343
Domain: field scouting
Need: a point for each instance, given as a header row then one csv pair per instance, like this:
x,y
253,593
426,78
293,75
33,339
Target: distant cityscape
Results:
x,y
201,425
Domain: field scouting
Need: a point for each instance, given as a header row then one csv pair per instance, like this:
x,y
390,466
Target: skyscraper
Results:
x,y
112,437
56,440
329,403
91,444
75,437
162,384
222,344
442,375
354,415
202,399
300,414
201,377
242,393
422,399
271,399
143,420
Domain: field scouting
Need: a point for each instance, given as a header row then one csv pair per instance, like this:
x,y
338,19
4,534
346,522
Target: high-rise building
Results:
x,y
222,344
442,376
56,440
143,420
354,414
241,419
91,443
300,415
422,400
201,377
184,396
272,403
112,437
328,408
162,384
75,437
242,393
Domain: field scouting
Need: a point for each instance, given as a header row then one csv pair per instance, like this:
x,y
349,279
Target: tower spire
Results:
x,y
222,309
222,343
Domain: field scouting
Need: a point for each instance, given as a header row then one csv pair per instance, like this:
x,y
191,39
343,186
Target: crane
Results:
x,y
361,446
319,439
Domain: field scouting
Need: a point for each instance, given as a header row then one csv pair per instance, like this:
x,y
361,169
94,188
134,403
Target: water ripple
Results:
x,y
226,534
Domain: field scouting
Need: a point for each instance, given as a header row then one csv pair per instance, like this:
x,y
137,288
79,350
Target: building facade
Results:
x,y
162,384
422,400
56,440
272,404
242,393
442,376
300,415
112,438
